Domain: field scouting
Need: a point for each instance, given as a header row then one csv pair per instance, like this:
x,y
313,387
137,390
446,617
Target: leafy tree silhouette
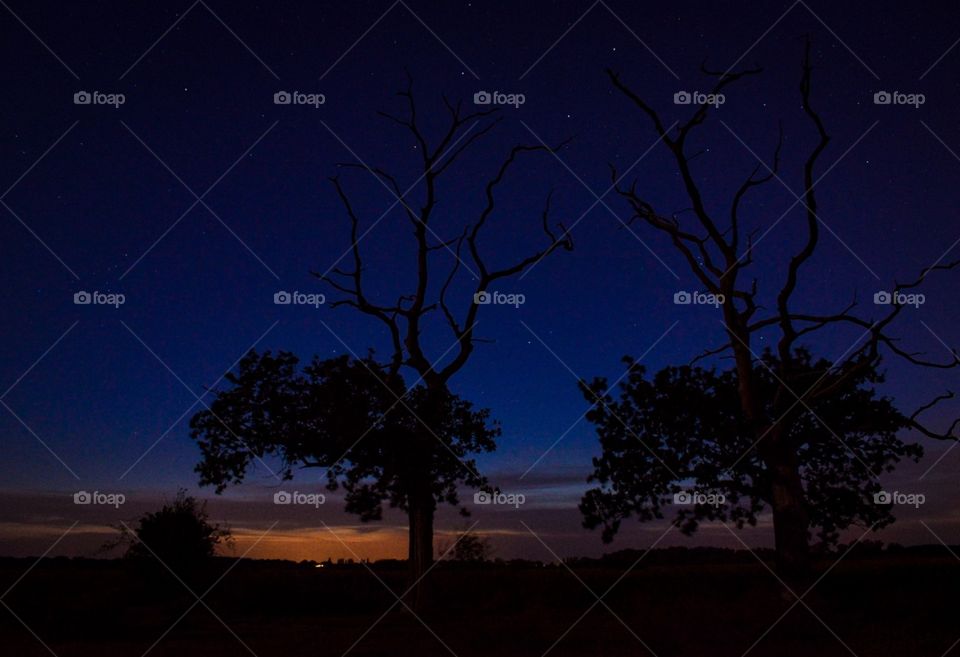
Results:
x,y
719,252
351,418
684,428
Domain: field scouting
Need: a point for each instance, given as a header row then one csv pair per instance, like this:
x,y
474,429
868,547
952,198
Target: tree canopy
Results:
x,y
347,416
683,429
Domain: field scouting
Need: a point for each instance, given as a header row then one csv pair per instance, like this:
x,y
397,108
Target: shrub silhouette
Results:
x,y
468,547
179,535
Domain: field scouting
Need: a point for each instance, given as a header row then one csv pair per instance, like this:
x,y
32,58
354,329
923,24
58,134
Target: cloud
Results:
x,y
32,521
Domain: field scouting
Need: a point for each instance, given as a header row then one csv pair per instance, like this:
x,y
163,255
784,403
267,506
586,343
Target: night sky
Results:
x,y
199,198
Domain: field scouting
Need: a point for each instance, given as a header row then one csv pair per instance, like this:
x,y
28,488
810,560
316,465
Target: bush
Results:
x,y
179,535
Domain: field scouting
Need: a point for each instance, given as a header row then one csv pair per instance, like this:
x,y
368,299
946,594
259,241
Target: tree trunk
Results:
x,y
788,499
420,548
421,505
791,522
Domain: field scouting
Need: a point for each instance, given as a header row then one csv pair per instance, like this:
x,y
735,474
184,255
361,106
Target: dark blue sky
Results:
x,y
100,211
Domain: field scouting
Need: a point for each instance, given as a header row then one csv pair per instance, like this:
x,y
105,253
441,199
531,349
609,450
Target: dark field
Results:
x,y
886,605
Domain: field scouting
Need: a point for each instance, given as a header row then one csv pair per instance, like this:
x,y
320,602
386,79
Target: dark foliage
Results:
x,y
179,535
346,416
684,429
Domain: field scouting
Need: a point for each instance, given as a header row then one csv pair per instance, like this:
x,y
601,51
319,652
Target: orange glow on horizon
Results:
x,y
345,542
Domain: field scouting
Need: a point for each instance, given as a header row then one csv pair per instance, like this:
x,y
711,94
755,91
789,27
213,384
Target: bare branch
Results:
x,y
750,183
451,320
409,309
916,424
810,202
387,315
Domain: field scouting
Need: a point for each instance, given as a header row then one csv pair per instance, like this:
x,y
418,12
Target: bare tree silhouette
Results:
x,y
718,254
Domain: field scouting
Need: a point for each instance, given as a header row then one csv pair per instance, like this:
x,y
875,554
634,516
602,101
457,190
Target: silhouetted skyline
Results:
x,y
199,198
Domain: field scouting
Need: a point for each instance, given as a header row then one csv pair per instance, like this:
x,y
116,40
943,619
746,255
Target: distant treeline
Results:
x,y
677,555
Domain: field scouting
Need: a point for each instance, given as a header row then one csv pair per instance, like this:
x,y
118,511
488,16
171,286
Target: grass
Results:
x,y
885,605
